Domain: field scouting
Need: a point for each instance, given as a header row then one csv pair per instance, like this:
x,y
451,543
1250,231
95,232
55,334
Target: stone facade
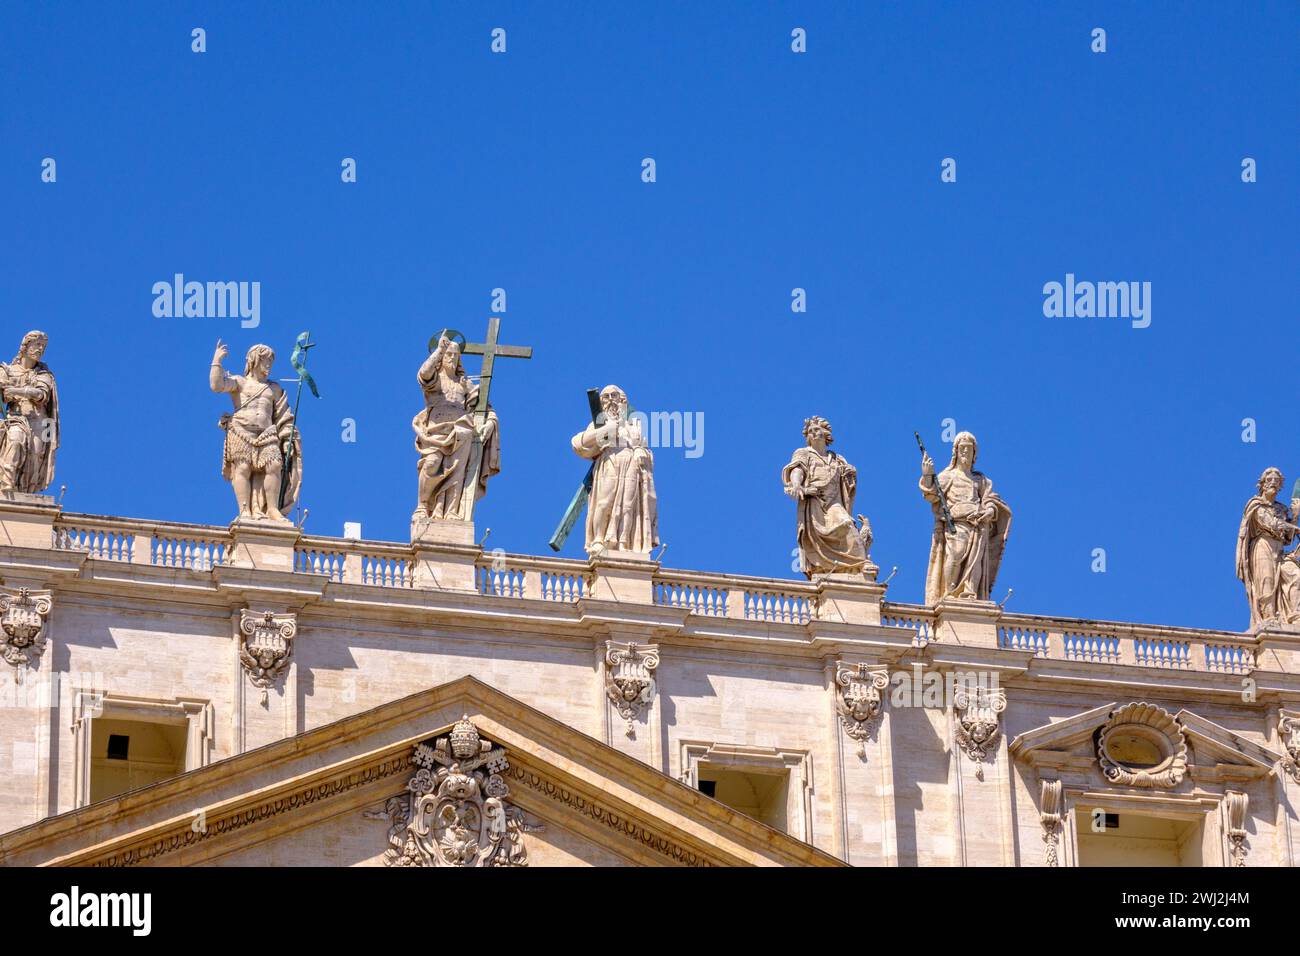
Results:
x,y
998,738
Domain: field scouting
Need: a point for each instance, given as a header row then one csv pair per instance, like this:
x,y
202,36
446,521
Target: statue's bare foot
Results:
x,y
274,514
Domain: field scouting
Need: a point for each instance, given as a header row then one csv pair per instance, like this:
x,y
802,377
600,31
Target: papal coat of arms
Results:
x,y
22,618
455,811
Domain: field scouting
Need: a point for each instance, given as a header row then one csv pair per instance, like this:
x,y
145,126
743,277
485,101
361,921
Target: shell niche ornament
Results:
x,y
1142,745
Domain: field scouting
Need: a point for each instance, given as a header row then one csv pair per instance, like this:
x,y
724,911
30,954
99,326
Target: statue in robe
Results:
x,y
823,486
444,435
622,511
31,428
260,435
964,561
1271,577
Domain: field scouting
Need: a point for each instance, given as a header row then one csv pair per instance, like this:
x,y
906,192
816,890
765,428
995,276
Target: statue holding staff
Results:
x,y
967,542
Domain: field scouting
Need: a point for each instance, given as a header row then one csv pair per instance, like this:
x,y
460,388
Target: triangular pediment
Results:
x,y
327,797
1215,750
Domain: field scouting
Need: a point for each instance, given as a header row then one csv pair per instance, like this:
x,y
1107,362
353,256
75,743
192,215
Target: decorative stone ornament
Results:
x,y
23,615
979,713
455,812
629,679
266,646
1234,806
1142,745
858,700
1289,728
1049,814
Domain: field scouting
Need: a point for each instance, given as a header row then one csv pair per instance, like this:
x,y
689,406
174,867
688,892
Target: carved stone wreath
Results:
x,y
266,646
455,812
979,720
1154,732
858,700
629,679
23,615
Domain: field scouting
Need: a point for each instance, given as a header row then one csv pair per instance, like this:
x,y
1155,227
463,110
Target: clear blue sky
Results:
x,y
775,170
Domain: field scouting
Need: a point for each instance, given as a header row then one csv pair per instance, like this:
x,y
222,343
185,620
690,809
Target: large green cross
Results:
x,y
489,350
584,490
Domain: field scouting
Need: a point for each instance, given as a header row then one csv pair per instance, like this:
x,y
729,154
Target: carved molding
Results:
x,y
455,812
187,835
266,645
629,679
24,614
1235,804
1049,814
627,826
858,700
979,721
1148,727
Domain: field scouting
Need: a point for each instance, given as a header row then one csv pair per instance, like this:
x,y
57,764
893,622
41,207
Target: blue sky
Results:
x,y
775,170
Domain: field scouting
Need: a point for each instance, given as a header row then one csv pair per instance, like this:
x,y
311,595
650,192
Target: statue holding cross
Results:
x,y
457,433
622,509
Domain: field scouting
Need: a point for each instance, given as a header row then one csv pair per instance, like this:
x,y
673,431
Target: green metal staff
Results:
x,y
299,362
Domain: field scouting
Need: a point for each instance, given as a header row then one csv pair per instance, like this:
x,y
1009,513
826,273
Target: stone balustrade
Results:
x,y
737,596
918,617
538,579
162,543
376,563
1140,645
768,601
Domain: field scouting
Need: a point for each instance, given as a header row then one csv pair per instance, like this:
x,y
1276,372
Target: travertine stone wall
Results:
x,y
733,686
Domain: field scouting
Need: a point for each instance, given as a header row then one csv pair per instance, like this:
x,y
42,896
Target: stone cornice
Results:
x,y
734,613
40,563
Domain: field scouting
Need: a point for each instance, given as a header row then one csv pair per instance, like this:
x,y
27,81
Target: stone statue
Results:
x,y
964,559
1272,578
444,433
259,435
31,432
823,486
622,512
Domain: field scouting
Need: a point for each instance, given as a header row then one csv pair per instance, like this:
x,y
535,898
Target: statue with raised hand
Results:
x,y
260,436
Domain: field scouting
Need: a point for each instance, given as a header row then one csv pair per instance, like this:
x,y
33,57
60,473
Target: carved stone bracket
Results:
x,y
1289,728
455,811
23,617
1235,804
858,700
266,644
1142,745
979,721
1049,814
629,679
